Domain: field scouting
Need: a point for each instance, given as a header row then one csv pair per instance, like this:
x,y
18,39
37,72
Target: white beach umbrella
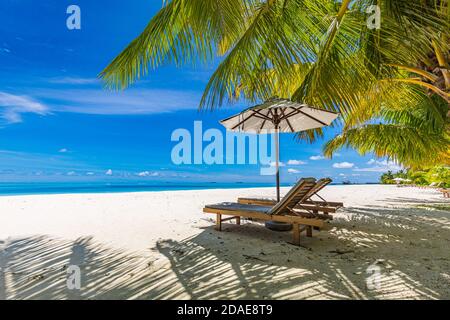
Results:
x,y
398,180
279,115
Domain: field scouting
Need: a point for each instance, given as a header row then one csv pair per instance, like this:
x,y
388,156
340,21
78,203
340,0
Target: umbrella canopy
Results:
x,y
280,115
401,179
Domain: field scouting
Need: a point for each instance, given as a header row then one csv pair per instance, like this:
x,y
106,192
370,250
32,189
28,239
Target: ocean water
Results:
x,y
31,188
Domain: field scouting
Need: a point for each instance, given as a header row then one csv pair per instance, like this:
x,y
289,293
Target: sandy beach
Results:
x,y
159,245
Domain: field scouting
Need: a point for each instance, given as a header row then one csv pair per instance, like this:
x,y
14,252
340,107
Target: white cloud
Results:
x,y
93,99
343,165
148,174
109,172
63,150
27,162
290,170
341,174
90,173
71,173
380,166
13,106
74,80
318,157
132,101
296,162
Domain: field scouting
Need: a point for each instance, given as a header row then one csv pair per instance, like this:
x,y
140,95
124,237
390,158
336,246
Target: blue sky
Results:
x,y
57,123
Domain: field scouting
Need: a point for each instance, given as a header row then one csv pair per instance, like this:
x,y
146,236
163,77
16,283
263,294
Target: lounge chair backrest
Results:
x,y
298,193
322,183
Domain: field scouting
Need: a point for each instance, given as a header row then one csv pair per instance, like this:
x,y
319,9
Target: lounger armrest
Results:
x,y
311,206
326,203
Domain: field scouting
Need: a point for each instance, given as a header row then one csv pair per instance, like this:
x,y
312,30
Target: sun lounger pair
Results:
x,y
296,208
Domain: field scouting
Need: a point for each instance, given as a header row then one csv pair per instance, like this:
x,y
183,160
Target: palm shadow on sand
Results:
x,y
245,262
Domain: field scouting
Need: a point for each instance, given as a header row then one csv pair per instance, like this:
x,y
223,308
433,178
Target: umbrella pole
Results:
x,y
275,225
277,160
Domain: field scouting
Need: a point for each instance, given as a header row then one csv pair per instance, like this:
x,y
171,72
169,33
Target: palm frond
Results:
x,y
181,32
407,145
415,137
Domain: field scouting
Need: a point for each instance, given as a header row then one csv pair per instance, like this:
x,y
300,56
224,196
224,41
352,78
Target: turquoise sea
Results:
x,y
30,188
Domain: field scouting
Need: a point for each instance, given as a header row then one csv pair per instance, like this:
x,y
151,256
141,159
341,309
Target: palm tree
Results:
x,y
387,177
318,52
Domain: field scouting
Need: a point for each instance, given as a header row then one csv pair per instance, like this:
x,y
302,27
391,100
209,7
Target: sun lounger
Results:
x,y
284,211
313,206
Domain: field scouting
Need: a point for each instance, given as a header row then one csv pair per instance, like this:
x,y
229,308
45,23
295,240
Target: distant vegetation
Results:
x,y
438,176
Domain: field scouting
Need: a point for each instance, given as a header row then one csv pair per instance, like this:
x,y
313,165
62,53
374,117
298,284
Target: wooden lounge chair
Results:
x,y
284,211
313,206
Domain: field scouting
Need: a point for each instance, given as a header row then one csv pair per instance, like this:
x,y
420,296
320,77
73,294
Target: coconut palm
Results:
x,y
318,52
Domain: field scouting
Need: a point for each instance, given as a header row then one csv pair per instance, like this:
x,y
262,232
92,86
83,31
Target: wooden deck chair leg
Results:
x,y
218,222
309,231
238,220
296,234
315,228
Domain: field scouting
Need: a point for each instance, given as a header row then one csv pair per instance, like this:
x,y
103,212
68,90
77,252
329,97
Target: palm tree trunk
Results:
x,y
442,64
445,71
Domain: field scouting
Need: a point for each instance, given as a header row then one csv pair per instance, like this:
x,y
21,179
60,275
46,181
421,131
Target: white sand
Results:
x,y
159,245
